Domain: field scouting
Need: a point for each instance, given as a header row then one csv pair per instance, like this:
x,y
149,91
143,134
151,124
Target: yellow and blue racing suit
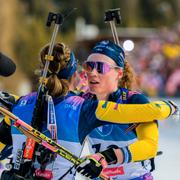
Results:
x,y
141,143
76,118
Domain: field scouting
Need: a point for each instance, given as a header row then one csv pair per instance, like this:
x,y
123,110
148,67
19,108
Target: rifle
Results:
x,y
42,90
41,139
113,16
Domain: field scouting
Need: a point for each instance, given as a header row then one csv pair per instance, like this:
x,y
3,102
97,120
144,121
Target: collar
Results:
x,y
115,95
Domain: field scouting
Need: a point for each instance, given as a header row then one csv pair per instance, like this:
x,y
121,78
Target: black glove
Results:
x,y
93,164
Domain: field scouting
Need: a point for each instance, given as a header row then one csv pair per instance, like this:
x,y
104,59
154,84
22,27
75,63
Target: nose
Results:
x,y
94,72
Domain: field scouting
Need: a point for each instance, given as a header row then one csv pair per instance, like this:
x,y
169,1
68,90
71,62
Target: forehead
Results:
x,y
101,58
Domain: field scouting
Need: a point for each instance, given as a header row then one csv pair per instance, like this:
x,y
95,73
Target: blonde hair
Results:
x,y
128,78
56,86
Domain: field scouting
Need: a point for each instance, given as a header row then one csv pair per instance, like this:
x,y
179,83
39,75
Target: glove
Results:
x,y
93,164
175,113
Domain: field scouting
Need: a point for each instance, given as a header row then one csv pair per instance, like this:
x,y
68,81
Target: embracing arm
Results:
x,y
147,144
144,148
133,113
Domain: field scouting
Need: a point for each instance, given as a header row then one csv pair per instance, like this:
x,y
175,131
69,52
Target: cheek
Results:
x,y
107,81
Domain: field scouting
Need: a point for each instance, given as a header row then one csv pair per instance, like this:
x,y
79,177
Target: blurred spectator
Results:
x,y
157,63
173,83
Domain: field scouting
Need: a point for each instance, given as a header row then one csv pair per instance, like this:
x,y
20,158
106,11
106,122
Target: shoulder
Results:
x,y
135,97
27,99
72,102
74,99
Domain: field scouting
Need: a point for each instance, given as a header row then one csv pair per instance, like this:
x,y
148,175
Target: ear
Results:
x,y
120,73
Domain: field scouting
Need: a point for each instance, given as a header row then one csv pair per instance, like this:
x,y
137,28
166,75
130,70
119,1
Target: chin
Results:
x,y
92,89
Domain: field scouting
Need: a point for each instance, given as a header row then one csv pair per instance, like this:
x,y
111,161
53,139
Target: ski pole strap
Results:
x,y
51,118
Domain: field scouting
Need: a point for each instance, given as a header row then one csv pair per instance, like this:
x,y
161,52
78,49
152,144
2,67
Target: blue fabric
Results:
x,y
88,120
75,117
111,50
70,69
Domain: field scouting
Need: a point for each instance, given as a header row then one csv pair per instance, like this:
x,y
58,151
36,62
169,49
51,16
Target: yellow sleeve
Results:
x,y
147,144
132,113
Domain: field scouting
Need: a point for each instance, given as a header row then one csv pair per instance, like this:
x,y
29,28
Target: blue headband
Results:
x,y
111,50
70,69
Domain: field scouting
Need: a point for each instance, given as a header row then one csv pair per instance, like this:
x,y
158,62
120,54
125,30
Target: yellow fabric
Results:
x,y
2,146
147,144
7,120
132,113
15,96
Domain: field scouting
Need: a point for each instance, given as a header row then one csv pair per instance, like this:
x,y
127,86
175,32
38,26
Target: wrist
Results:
x,y
119,155
126,154
110,156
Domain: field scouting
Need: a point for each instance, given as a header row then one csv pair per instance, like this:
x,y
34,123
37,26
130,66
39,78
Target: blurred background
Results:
x,y
149,32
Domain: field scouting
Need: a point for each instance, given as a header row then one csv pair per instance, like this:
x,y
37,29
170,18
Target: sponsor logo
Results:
x,y
47,174
114,171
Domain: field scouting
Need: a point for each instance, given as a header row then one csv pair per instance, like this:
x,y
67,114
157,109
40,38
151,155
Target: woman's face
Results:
x,y
103,84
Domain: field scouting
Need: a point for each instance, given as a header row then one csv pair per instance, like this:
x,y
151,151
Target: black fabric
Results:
x,y
7,66
110,156
5,133
9,175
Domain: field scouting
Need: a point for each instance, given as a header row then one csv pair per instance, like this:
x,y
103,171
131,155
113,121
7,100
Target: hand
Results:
x,y
92,165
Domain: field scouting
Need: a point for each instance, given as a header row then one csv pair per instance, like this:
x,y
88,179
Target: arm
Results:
x,y
144,148
147,144
133,113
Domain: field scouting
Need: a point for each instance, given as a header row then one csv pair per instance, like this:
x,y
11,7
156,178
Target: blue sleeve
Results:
x,y
87,119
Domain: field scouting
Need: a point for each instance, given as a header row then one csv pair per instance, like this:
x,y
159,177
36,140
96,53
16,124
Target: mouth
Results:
x,y
94,82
